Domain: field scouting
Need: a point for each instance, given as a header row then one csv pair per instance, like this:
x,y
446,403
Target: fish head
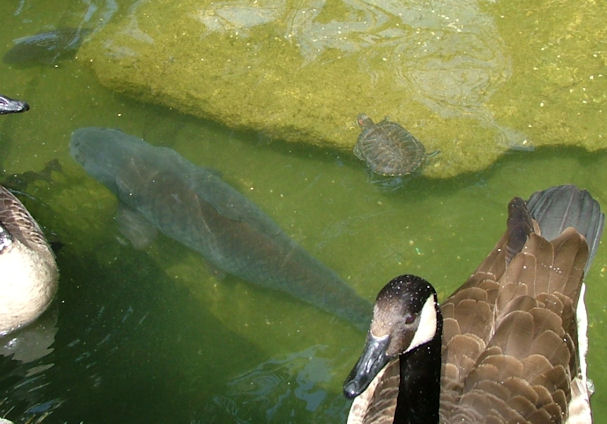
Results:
x,y
104,152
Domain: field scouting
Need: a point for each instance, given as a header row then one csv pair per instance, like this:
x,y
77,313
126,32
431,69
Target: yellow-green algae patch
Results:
x,y
302,71
558,90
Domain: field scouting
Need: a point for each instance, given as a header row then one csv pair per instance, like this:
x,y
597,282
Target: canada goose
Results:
x,y
512,348
28,272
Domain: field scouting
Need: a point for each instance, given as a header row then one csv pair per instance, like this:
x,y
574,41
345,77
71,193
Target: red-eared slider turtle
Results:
x,y
388,148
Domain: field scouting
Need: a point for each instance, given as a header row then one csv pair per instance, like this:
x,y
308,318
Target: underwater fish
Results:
x,y
45,47
198,209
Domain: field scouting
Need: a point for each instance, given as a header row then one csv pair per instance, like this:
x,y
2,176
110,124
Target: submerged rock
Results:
x,y
300,72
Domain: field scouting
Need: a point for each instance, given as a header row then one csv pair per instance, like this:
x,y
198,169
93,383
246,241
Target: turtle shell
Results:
x,y
388,148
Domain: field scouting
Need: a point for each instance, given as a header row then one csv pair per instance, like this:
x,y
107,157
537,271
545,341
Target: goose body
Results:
x,y
28,272
508,346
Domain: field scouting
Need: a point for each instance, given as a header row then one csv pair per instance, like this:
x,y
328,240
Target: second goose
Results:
x,y
507,347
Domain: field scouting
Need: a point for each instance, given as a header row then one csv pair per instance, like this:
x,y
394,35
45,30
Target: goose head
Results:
x,y
8,105
405,316
403,351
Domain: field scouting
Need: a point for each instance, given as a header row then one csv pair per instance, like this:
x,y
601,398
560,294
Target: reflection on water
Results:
x,y
267,392
239,15
34,341
149,336
447,54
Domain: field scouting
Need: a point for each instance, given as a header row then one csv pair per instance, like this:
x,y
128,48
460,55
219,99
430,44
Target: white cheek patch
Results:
x,y
426,329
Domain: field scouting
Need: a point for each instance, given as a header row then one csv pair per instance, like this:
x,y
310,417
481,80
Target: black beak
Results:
x,y
8,105
371,362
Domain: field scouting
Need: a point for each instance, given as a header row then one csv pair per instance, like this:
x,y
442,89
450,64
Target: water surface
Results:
x,y
158,335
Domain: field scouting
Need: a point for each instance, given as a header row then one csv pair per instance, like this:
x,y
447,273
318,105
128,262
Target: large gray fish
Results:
x,y
197,208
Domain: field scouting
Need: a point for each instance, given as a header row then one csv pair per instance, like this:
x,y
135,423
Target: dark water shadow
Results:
x,y
128,337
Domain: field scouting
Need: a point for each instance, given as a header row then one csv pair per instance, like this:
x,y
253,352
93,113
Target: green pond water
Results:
x,y
157,335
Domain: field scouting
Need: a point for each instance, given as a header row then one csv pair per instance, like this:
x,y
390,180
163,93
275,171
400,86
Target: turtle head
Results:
x,y
364,121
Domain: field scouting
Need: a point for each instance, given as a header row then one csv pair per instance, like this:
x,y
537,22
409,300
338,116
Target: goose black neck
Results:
x,y
419,391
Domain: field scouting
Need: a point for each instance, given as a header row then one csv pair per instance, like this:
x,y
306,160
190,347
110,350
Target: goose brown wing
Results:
x,y
18,222
525,370
469,313
377,404
510,336
469,316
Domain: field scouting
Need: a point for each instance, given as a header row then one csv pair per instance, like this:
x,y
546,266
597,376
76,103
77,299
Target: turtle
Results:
x,y
388,148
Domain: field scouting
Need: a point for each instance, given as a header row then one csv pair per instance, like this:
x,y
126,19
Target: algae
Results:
x,y
301,72
558,88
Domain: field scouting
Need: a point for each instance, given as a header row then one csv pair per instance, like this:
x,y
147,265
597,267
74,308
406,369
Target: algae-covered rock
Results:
x,y
303,71
558,89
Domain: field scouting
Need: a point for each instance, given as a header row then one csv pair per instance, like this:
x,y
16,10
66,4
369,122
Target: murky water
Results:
x,y
157,335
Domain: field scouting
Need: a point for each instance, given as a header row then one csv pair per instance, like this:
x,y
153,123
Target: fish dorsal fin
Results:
x,y
209,185
227,201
